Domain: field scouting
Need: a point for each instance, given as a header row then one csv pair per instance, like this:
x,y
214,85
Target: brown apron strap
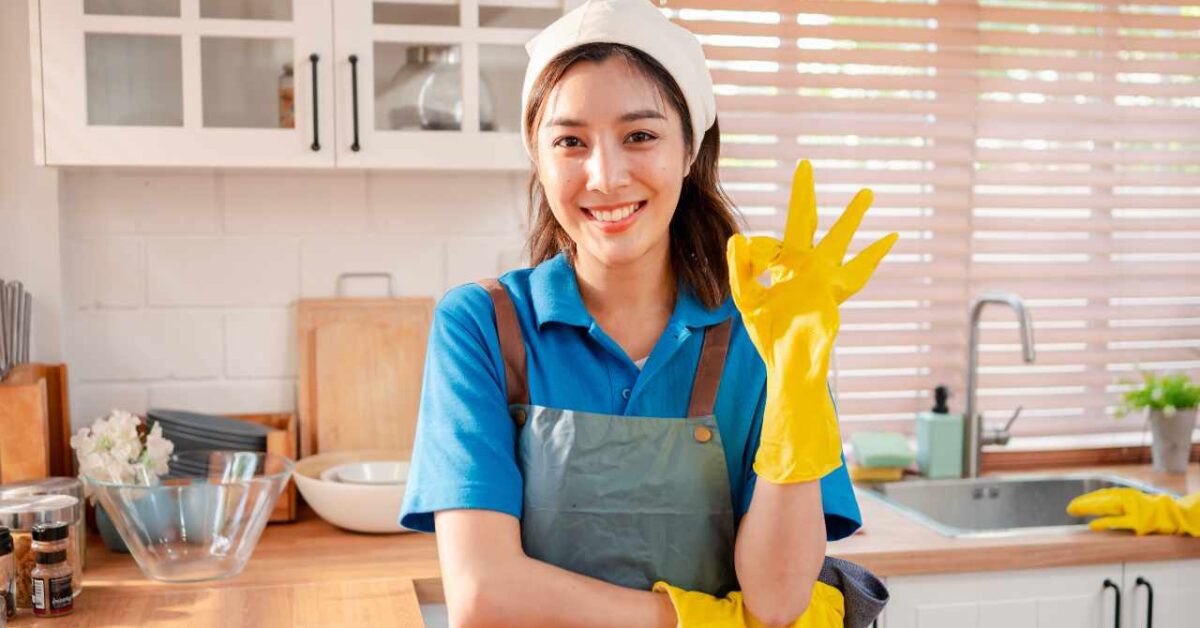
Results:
x,y
512,347
708,371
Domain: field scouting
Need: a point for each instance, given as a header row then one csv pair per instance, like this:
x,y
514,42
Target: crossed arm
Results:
x,y
489,581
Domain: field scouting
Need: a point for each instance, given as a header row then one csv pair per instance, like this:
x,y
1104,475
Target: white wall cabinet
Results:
x,y
1065,597
415,84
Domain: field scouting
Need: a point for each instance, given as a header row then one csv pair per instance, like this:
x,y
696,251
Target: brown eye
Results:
x,y
568,142
640,136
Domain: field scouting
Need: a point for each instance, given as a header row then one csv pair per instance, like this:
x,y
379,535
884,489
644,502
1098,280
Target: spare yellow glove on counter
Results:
x,y
793,323
1131,509
701,610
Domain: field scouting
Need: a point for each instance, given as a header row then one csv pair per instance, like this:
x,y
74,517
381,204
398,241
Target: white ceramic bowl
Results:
x,y
358,507
378,472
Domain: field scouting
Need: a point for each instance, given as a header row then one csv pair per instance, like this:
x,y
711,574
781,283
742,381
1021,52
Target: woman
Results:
x,y
624,490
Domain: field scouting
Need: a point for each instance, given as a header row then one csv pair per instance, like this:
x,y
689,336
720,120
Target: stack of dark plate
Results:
x,y
192,431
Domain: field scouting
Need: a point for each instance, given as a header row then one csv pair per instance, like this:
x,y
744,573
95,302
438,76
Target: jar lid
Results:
x,y
50,558
21,513
6,542
48,532
44,486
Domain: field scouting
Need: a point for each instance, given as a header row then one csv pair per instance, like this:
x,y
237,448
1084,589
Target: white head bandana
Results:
x,y
640,25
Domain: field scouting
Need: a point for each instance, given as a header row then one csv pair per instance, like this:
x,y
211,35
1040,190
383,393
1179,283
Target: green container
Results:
x,y
940,440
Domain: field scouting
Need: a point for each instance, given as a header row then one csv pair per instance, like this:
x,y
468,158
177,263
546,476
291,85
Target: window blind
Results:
x,y
1045,148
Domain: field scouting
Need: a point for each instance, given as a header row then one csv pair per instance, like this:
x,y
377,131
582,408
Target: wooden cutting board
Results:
x,y
361,361
35,423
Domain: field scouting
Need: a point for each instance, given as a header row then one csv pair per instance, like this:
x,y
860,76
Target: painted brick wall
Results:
x,y
179,287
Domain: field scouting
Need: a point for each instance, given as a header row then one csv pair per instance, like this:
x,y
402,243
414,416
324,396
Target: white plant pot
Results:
x,y
1172,445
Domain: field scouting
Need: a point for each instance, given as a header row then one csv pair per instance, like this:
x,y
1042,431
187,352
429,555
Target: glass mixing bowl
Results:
x,y
202,520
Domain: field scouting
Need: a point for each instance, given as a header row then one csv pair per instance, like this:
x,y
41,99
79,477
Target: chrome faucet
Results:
x,y
974,437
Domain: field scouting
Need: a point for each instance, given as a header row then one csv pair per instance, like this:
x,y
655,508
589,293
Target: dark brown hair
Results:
x,y
704,218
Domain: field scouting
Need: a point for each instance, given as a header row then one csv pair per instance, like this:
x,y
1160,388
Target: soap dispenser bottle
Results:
x,y
940,439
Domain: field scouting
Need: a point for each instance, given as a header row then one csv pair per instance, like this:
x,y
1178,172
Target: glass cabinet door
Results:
x,y
188,82
434,83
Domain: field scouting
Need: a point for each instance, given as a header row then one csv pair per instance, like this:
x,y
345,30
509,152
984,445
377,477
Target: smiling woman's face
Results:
x,y
611,159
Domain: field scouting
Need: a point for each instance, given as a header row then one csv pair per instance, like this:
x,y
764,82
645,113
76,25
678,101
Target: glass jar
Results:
x,y
55,486
287,98
8,576
426,92
20,515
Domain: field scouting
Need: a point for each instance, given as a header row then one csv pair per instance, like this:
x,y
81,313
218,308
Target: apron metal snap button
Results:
x,y
519,416
702,434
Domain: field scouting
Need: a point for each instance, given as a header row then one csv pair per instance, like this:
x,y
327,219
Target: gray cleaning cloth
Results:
x,y
864,594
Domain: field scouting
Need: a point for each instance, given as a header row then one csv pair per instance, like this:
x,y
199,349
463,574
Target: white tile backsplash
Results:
x,y
118,201
235,270
260,343
444,204
226,397
144,344
181,285
473,258
417,265
104,271
92,401
320,203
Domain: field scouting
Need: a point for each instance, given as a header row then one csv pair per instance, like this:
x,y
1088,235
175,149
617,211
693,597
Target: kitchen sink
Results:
x,y
1010,505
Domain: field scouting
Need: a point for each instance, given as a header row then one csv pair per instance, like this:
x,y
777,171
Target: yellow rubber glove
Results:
x,y
793,323
1131,509
701,610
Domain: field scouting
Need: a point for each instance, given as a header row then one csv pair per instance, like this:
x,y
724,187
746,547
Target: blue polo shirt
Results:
x,y
465,450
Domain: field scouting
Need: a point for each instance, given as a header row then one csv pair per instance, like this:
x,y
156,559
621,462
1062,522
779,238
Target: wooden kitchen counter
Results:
x,y
309,573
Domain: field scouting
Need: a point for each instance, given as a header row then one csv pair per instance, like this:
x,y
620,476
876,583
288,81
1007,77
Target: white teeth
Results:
x,y
616,214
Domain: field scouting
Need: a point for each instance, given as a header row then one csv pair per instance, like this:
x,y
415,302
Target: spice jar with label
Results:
x,y
20,515
51,584
8,575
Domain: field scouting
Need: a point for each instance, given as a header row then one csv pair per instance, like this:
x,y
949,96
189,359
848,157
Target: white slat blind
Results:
x,y
1045,148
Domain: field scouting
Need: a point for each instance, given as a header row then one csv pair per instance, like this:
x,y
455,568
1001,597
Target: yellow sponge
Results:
x,y
875,474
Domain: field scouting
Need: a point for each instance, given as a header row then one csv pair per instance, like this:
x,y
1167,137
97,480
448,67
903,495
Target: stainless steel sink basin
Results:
x,y
1010,505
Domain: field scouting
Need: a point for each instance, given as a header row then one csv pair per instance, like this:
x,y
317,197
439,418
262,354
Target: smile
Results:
x,y
615,216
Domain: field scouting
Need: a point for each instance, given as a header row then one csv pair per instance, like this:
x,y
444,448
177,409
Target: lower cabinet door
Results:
x,y
1162,594
1061,597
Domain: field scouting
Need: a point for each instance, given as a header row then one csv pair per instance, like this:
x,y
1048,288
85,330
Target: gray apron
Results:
x,y
632,500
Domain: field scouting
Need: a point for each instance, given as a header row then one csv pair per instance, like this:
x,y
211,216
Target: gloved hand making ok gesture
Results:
x,y
793,323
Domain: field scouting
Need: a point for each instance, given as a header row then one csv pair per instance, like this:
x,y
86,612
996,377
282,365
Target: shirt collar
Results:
x,y
556,298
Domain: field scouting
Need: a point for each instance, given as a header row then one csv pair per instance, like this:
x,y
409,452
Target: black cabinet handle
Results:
x,y
1116,591
316,145
1149,600
354,99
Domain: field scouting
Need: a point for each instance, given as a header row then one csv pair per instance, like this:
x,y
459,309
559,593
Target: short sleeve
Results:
x,y
842,516
464,454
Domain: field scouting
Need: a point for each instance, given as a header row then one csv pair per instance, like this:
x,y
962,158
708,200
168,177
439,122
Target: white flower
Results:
x,y
158,449
112,451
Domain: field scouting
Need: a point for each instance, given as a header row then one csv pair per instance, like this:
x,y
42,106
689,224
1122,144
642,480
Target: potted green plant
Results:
x,y
1170,403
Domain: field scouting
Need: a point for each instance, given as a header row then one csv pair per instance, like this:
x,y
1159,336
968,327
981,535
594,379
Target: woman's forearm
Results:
x,y
527,592
489,581
780,549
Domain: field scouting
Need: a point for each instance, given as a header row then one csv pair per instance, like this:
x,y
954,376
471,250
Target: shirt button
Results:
x,y
702,434
625,394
